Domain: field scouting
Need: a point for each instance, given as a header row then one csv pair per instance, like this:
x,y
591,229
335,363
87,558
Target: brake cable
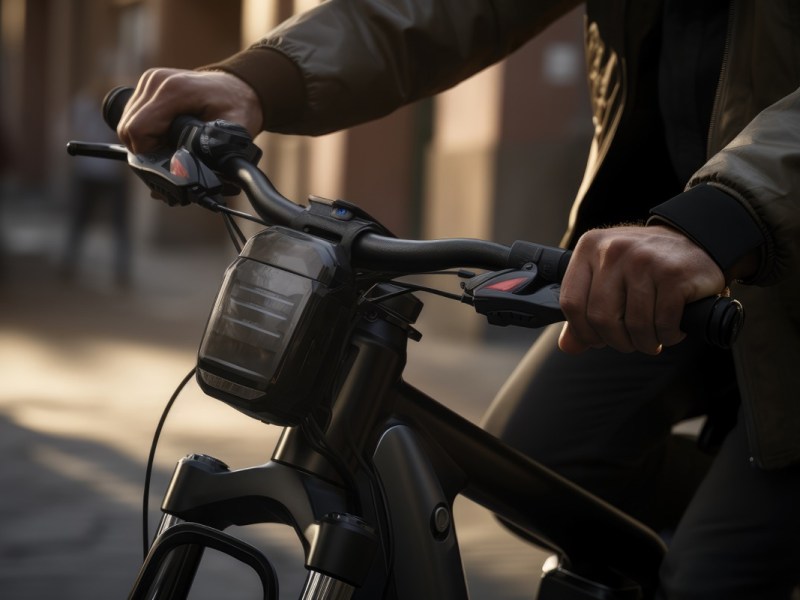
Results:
x,y
151,458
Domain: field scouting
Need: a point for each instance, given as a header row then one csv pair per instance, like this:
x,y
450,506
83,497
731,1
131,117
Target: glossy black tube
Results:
x,y
381,253
268,202
533,498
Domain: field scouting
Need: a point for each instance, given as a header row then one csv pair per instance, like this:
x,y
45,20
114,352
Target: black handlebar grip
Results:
x,y
178,126
717,320
114,105
551,262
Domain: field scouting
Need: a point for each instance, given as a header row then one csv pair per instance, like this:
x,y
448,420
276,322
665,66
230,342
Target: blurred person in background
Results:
x,y
98,190
5,166
693,183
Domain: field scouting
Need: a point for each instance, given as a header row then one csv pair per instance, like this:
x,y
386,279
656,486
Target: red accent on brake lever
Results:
x,y
177,168
508,285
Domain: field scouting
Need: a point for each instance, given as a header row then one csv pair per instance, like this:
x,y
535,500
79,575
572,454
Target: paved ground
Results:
x,y
84,372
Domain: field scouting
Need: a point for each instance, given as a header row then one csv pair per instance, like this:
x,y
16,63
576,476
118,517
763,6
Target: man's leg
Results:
x,y
740,536
603,419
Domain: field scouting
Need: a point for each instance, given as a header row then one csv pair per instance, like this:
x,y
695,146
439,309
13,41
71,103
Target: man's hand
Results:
x,y
626,287
163,94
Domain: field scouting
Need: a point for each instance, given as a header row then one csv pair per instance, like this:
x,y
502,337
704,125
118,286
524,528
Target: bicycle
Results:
x,y
309,332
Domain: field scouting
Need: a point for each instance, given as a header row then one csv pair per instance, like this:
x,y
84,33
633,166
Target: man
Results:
x,y
703,95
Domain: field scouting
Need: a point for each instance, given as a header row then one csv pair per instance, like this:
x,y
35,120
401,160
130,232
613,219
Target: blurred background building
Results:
x,y
89,351
497,157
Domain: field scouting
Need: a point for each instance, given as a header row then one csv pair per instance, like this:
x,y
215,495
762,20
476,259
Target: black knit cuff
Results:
x,y
715,221
276,81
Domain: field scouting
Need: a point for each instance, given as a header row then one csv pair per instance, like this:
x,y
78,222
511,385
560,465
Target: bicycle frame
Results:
x,y
424,455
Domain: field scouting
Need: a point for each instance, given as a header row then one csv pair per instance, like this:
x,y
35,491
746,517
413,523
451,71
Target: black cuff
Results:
x,y
715,221
276,81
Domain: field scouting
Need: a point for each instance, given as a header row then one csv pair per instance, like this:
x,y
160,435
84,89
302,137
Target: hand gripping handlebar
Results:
x,y
717,320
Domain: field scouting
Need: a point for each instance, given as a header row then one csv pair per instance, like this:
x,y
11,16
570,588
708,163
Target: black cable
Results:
x,y
316,437
412,287
242,238
389,550
375,279
151,459
238,213
233,232
377,486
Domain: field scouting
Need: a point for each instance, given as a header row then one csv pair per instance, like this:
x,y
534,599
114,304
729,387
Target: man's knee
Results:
x,y
687,578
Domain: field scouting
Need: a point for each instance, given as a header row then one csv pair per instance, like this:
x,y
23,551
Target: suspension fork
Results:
x,y
204,497
168,572
173,577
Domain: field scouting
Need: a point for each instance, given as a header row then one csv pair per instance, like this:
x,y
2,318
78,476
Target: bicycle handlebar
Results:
x,y
717,320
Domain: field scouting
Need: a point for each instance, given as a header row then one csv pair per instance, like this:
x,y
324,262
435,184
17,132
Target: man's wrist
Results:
x,y
276,81
719,224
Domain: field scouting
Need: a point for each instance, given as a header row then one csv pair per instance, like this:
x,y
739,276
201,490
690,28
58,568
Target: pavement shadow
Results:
x,y
70,523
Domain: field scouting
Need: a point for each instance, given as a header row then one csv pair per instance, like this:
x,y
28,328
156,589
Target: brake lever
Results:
x,y
97,150
522,298
177,178
514,297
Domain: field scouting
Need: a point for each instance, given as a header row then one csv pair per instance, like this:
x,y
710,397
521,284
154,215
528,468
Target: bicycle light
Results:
x,y
280,308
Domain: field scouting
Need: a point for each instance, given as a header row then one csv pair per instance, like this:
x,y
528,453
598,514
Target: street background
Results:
x,y
87,368
104,292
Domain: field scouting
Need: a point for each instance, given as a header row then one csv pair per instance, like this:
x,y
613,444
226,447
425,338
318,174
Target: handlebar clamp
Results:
x,y
217,141
337,221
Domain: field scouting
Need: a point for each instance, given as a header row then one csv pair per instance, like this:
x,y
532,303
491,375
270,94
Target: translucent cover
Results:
x,y
266,346
251,324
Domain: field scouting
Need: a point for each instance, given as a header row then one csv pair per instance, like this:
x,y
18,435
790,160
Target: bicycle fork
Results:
x,y
339,547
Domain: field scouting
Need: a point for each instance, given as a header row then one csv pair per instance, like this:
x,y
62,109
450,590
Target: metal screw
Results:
x,y
440,521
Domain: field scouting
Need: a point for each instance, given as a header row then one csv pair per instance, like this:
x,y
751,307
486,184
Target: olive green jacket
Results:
x,y
349,61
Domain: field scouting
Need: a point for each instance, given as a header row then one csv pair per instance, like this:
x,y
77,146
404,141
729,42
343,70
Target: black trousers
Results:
x,y
604,420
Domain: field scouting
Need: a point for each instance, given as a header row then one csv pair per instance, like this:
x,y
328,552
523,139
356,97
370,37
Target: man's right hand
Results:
x,y
163,94
626,287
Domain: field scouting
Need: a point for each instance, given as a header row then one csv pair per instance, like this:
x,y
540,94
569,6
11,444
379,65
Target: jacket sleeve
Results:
x,y
747,196
350,61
